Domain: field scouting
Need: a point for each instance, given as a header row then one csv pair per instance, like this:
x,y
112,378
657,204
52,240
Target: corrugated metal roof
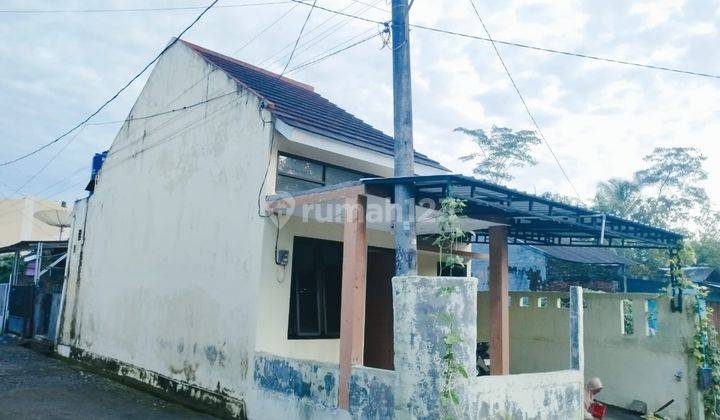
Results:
x,y
299,106
585,255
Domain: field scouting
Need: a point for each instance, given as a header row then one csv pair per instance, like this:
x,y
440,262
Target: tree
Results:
x,y
500,152
619,197
671,180
6,264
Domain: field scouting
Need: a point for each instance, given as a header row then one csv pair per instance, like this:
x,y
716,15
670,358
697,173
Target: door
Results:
x,y
20,310
379,309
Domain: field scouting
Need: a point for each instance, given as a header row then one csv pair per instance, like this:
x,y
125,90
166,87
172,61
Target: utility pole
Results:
x,y
405,237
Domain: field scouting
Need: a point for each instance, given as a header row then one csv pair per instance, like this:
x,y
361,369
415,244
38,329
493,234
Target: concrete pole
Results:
x,y
577,348
405,236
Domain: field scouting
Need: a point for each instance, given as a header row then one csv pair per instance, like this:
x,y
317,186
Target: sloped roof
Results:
x,y
299,106
584,255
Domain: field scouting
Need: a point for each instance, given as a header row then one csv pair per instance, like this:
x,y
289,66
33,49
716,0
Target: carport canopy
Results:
x,y
499,216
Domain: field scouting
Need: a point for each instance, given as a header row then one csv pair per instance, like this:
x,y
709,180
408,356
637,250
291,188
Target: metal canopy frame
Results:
x,y
532,220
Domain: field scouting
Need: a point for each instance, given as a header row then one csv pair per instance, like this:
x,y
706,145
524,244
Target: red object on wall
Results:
x,y
597,410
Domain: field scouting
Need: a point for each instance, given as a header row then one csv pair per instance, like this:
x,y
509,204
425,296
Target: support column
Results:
x,y
577,347
15,268
499,302
352,312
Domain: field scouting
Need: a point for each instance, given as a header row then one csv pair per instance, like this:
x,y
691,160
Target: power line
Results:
x,y
571,54
317,60
307,45
528,46
256,36
141,9
278,55
302,28
522,99
158,114
157,57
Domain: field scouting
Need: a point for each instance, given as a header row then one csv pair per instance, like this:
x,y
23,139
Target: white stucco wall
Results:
x,y
174,272
275,292
174,244
631,367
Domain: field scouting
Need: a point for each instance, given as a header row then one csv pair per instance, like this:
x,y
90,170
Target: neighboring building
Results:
x,y
237,251
18,222
556,268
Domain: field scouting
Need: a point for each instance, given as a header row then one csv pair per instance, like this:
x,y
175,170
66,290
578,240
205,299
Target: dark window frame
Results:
x,y
324,166
294,318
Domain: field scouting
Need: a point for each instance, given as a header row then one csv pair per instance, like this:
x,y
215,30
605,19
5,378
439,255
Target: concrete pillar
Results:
x,y
577,348
499,302
352,312
426,310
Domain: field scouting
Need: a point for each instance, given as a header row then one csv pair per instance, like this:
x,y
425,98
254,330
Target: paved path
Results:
x,y
34,386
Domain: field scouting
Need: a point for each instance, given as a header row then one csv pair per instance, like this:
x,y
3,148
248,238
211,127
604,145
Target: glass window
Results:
x,y
316,289
300,168
291,185
337,176
297,174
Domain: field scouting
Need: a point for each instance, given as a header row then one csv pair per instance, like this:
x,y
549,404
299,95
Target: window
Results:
x,y
626,315
524,302
300,174
315,289
542,302
651,318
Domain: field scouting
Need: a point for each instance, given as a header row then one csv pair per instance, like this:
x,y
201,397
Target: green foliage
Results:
x,y
705,343
500,152
450,233
6,263
666,193
452,369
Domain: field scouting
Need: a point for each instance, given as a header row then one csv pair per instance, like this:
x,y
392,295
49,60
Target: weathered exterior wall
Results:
x,y
275,291
422,308
372,393
551,395
168,281
638,366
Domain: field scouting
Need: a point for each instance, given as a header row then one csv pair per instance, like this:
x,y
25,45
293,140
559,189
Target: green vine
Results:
x,y
449,237
705,340
452,369
450,232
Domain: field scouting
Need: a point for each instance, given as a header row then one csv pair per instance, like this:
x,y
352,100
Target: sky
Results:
x,y
601,119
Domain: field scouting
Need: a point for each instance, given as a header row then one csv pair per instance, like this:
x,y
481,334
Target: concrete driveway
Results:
x,y
35,386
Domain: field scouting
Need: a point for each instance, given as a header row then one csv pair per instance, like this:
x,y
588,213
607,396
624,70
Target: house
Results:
x,y
18,222
237,253
555,268
30,300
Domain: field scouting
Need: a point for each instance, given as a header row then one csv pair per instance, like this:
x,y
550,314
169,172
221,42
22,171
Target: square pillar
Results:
x,y
352,312
577,348
499,302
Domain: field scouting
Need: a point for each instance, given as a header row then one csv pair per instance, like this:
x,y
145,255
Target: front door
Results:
x,y
379,309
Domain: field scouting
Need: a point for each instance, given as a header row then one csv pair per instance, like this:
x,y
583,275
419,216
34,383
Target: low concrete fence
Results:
x,y
633,342
414,390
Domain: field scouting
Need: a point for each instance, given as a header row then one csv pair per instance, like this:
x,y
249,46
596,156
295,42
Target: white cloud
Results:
x,y
600,118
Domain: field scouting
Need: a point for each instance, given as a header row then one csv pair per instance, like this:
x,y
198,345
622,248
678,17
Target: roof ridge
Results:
x,y
250,66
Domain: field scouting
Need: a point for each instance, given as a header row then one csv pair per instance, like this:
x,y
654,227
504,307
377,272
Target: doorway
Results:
x,y
379,335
